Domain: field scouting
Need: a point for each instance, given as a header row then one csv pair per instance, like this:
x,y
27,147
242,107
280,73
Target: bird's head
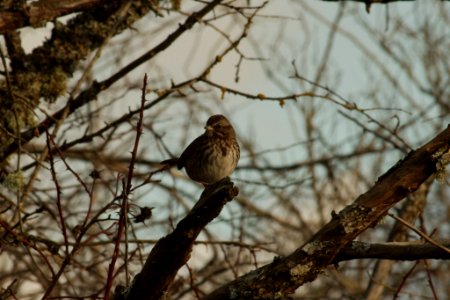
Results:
x,y
218,125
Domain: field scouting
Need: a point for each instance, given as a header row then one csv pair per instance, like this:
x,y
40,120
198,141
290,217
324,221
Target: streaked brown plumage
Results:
x,y
213,155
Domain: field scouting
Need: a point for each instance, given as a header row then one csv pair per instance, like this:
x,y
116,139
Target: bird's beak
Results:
x,y
208,128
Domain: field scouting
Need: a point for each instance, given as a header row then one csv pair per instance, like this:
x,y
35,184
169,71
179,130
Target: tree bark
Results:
x,y
173,251
284,275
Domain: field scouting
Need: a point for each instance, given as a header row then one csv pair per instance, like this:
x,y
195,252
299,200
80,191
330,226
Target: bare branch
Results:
x,y
284,275
392,251
173,251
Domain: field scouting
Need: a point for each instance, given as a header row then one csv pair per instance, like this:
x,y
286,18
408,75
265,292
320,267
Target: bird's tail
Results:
x,y
169,163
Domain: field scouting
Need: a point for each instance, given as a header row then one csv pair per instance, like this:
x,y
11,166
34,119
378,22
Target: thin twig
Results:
x,y
423,235
122,226
58,196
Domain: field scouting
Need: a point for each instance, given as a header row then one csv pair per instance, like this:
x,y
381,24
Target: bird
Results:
x,y
213,155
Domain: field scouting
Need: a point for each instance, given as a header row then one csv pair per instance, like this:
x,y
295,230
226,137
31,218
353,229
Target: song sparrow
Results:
x,y
213,155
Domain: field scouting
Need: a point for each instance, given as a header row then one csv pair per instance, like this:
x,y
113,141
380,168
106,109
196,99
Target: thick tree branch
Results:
x,y
411,208
284,275
392,251
37,14
173,251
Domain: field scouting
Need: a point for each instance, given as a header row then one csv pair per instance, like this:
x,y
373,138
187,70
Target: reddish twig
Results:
x,y
75,247
405,277
430,281
58,195
122,226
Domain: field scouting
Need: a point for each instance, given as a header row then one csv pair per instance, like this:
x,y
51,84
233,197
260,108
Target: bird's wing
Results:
x,y
189,152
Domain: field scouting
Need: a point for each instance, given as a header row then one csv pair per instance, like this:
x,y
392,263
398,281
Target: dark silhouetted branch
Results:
x,y
173,251
392,251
